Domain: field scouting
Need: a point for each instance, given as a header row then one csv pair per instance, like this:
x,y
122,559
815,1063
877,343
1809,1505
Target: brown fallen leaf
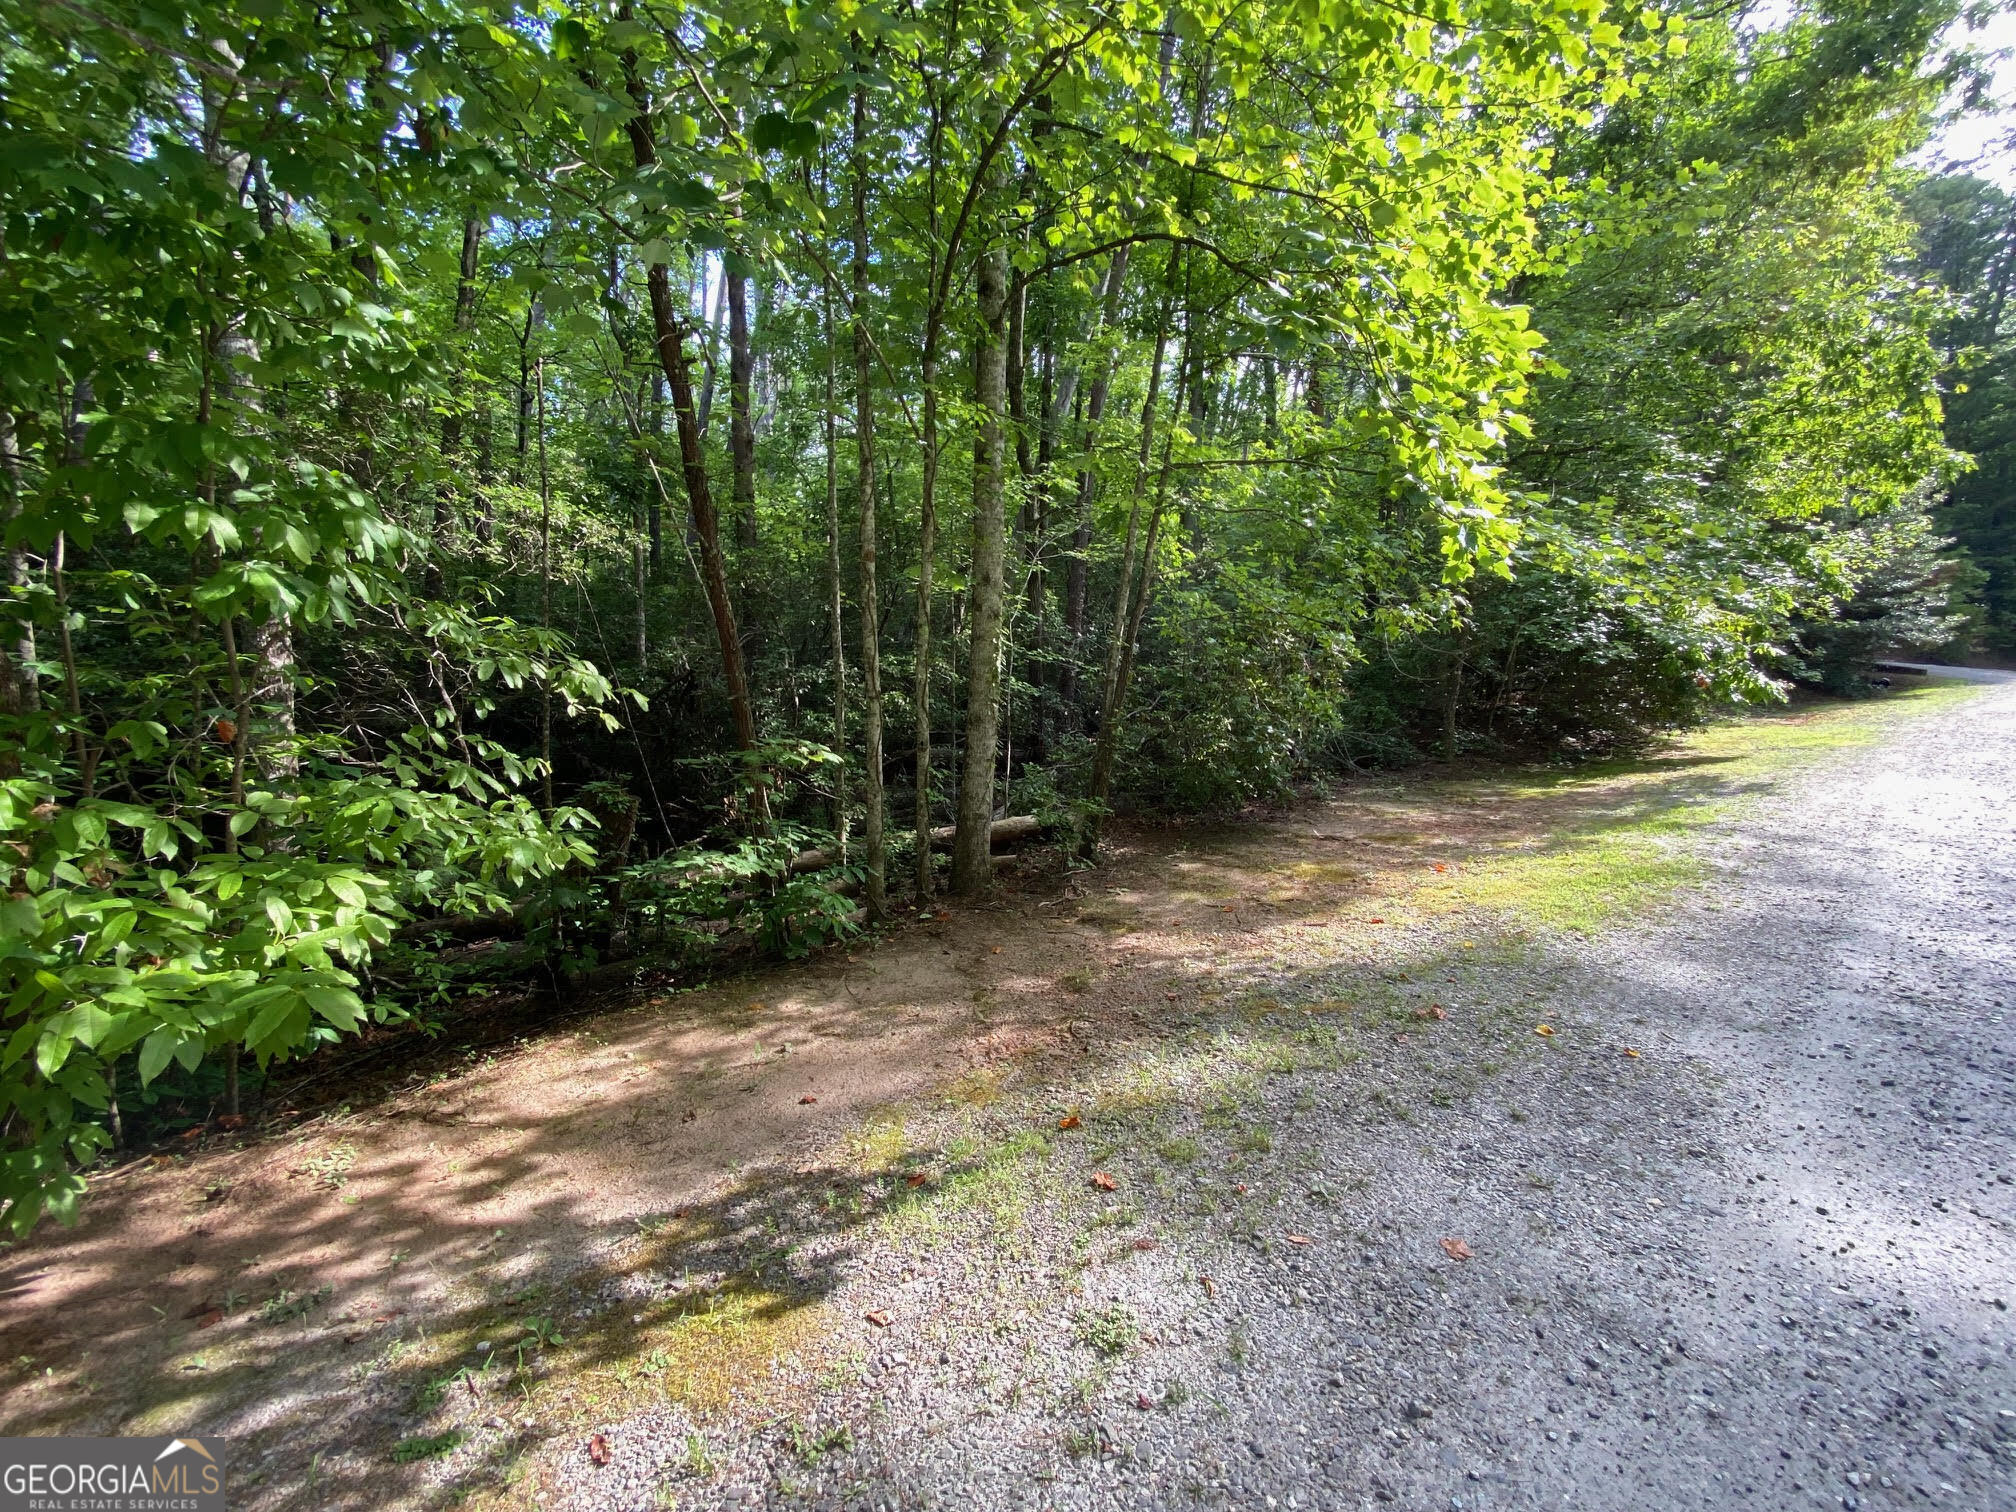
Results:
x,y
1547,1029
994,950
1440,867
1378,921
806,1099
1456,1249
211,1318
1146,1244
1630,1052
1068,1121
1432,1011
1300,1239
1104,1182
879,1317
231,1121
916,1178
943,914
598,1448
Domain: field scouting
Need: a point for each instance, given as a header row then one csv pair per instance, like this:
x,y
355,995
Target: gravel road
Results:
x,y
1734,1232
1765,1262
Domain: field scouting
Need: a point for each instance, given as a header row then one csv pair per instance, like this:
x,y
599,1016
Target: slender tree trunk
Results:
x,y
1075,576
1124,617
927,545
742,450
655,514
533,318
835,606
637,581
876,887
713,347
18,691
741,423
669,337
1452,702
545,593
451,422
971,842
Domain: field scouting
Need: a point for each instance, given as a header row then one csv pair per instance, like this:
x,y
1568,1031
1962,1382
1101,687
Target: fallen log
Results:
x,y
1005,832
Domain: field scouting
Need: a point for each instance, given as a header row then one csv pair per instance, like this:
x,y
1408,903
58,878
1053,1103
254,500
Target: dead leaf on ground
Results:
x,y
1146,1244
211,1318
1300,1239
1547,1029
231,1121
1104,1182
994,950
916,1178
1143,1403
879,1317
1432,1011
1456,1249
598,1448
1068,1121
807,1099
1630,1052
1440,867
1377,921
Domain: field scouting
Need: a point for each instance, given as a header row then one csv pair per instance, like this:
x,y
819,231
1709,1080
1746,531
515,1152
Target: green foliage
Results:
x,y
1526,373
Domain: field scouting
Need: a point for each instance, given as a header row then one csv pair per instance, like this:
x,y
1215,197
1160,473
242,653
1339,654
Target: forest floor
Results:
x,y
1615,1137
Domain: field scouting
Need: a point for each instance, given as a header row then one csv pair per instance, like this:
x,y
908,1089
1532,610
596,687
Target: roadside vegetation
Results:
x,y
501,504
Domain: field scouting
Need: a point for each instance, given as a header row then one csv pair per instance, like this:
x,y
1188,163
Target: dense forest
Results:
x,y
626,475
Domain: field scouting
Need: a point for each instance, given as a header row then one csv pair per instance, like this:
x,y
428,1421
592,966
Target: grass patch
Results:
x,y
1638,847
1109,1331
433,1446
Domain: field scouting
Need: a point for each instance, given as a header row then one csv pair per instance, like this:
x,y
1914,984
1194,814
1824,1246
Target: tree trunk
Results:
x,y
1125,617
741,424
669,340
876,887
451,422
655,516
742,450
1081,539
18,692
971,856
927,545
545,596
835,615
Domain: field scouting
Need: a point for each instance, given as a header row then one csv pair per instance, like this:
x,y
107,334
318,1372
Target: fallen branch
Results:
x,y
1004,832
